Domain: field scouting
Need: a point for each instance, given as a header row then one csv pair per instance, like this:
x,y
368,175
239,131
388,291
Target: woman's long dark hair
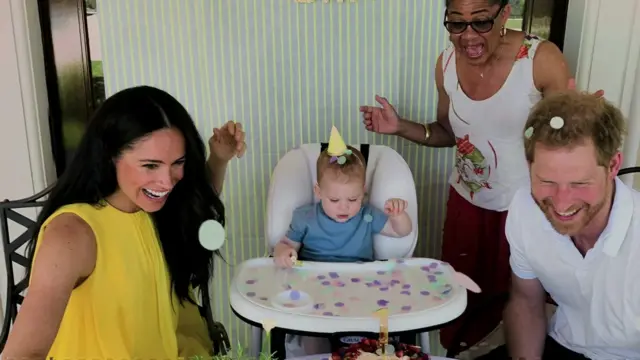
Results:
x,y
124,118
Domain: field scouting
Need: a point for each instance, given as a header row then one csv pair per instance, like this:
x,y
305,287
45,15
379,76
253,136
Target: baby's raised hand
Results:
x,y
394,207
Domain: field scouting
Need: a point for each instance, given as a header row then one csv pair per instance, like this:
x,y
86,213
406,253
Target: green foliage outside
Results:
x,y
96,69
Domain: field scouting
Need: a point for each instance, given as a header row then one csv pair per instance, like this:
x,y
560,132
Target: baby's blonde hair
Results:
x,y
354,168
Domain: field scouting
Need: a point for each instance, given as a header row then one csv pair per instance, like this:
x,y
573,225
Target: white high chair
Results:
x,y
388,176
292,182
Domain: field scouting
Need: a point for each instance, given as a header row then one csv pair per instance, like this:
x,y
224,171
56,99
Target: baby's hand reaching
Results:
x,y
286,258
395,207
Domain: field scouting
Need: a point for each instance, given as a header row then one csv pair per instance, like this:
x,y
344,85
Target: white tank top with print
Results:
x,y
490,164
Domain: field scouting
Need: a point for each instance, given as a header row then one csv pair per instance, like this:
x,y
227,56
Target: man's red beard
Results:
x,y
572,224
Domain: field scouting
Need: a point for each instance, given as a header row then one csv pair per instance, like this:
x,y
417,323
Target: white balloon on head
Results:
x,y
211,235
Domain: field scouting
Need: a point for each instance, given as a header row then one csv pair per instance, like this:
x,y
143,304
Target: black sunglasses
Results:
x,y
480,26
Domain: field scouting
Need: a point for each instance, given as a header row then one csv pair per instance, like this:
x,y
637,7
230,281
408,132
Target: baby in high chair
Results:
x,y
340,227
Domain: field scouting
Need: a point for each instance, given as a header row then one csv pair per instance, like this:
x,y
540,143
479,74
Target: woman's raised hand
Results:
x,y
381,119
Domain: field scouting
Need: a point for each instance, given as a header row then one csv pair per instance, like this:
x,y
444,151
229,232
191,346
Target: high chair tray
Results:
x,y
339,297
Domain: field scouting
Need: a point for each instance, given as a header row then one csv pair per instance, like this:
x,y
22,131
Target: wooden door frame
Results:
x,y
68,73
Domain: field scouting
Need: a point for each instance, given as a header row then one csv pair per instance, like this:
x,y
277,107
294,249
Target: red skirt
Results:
x,y
474,243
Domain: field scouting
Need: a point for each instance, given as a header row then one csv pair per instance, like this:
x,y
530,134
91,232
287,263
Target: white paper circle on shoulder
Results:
x,y
556,122
211,235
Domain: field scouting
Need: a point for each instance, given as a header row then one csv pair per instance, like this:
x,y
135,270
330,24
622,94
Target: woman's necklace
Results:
x,y
494,60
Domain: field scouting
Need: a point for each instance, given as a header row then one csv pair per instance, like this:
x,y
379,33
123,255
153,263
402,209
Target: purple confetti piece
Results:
x,y
334,275
400,261
432,278
425,268
406,308
376,282
405,292
287,286
339,304
381,272
438,273
263,298
339,284
321,277
384,288
318,306
327,313
251,294
326,283
433,265
370,285
406,286
355,280
394,282
251,282
294,295
445,292
382,302
424,292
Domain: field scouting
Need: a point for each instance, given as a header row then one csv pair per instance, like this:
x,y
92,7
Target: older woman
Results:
x,y
487,80
116,255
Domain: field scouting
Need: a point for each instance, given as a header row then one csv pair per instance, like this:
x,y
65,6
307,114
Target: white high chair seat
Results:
x,y
388,176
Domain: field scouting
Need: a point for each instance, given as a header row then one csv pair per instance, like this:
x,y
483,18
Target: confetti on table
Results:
x,y
556,122
211,235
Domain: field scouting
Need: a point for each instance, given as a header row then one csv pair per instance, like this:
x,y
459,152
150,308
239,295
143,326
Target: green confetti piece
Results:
x,y
529,132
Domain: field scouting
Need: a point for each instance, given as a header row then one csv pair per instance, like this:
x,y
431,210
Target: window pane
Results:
x,y
517,13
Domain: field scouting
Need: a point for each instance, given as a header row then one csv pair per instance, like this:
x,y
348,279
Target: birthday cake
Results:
x,y
370,349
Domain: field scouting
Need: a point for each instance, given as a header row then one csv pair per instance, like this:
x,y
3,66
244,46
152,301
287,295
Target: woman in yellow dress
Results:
x,y
117,253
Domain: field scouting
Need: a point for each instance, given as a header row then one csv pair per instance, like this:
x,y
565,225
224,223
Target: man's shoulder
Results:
x,y
522,201
524,216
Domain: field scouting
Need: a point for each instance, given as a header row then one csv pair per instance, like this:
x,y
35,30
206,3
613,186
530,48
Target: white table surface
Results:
x,y
328,324
328,357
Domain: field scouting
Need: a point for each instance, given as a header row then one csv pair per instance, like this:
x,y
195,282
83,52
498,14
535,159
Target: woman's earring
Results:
x,y
503,31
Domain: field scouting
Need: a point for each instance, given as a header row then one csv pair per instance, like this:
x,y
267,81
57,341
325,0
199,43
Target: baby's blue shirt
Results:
x,y
324,239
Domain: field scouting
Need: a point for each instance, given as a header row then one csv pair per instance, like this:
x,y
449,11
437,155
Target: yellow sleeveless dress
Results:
x,y
126,308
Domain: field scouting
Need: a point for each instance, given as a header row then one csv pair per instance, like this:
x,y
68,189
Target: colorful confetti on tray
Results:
x,y
344,292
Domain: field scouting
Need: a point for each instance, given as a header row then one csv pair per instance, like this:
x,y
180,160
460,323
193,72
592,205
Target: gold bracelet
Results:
x,y
427,132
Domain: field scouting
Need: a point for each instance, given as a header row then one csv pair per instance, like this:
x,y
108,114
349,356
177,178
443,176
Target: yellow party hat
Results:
x,y
336,147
